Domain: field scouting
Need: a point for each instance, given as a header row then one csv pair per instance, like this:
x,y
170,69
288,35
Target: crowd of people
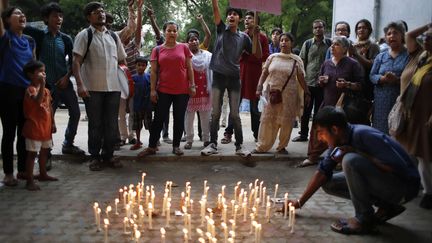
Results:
x,y
349,87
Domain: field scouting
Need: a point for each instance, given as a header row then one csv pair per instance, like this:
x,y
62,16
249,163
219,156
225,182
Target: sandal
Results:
x,y
188,145
96,165
306,163
282,151
146,152
384,214
136,146
10,181
177,151
343,226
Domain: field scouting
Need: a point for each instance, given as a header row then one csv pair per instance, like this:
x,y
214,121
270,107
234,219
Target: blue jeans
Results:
x,y
233,86
69,98
366,185
179,102
102,112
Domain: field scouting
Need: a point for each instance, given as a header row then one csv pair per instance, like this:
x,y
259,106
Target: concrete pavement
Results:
x,y
62,211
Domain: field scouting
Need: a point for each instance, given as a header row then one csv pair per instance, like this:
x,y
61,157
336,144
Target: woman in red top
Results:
x,y
172,82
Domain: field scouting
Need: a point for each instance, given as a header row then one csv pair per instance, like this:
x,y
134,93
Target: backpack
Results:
x,y
90,38
308,44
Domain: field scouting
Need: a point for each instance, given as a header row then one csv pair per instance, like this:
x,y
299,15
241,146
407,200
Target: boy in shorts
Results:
x,y
141,100
39,124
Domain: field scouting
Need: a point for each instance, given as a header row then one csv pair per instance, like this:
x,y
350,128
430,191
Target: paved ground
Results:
x,y
62,211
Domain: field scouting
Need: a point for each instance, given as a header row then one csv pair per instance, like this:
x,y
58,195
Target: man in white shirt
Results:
x,y
97,52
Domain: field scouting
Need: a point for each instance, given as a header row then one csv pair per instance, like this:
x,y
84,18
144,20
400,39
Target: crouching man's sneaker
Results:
x,y
72,149
240,150
209,150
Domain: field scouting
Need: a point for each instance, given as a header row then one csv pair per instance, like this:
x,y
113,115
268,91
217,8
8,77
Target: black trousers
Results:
x,y
12,119
179,103
315,103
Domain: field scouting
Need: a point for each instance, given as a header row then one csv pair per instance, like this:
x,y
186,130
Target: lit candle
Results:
x,y
235,193
106,223
186,237
200,232
219,201
170,187
116,202
141,217
268,211
168,215
107,211
275,194
232,207
189,226
250,196
139,193
223,191
124,198
233,225
256,183
253,226
260,190
95,207
285,205
191,205
137,236
235,213
152,196
162,231
98,220
210,212
242,193
256,232
202,203
147,195
264,196
150,212
250,187
142,179
225,229
212,227
232,234
205,186
224,213
164,201
125,222
244,205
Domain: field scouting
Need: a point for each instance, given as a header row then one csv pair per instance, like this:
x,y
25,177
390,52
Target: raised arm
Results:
x,y
206,29
3,5
410,37
127,31
216,12
138,30
150,14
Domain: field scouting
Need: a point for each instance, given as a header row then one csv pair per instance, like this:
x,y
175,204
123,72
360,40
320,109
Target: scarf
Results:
x,y
425,66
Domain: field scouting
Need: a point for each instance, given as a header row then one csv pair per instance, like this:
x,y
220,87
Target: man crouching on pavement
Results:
x,y
376,171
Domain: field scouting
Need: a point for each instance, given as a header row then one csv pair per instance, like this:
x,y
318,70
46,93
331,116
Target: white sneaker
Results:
x,y
209,150
243,152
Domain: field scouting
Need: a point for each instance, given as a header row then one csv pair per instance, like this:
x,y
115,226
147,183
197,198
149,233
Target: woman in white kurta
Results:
x,y
280,117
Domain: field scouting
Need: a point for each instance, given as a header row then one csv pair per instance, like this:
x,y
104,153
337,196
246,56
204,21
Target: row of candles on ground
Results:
x,y
134,197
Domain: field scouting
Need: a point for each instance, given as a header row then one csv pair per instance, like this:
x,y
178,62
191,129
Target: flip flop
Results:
x,y
306,163
11,182
342,226
384,214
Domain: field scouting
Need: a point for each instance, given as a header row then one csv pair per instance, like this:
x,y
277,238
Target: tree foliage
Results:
x,y
297,15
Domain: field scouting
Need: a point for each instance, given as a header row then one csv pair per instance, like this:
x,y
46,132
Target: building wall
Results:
x,y
414,12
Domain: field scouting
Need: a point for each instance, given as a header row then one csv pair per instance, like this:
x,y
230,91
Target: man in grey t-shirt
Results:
x,y
230,44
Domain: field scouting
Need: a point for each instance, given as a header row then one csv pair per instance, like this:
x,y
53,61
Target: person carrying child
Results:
x,y
39,123
141,100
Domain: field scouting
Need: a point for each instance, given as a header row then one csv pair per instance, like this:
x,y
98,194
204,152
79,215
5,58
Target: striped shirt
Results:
x,y
132,52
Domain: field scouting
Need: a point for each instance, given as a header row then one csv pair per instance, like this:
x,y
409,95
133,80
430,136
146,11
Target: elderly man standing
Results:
x,y
97,52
